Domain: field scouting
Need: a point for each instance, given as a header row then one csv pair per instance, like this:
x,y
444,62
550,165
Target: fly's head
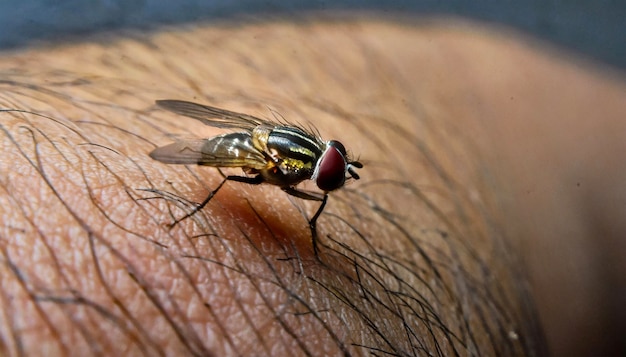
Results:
x,y
332,167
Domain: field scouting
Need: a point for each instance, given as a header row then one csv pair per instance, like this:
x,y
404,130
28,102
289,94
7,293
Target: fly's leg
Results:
x,y
313,196
305,195
313,224
249,180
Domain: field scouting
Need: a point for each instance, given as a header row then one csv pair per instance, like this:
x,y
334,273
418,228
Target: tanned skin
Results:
x,y
488,219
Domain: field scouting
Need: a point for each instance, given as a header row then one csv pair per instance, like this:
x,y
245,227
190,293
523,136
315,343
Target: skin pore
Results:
x,y
487,215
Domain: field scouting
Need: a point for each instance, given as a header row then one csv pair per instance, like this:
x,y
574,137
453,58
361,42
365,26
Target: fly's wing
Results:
x,y
229,150
216,117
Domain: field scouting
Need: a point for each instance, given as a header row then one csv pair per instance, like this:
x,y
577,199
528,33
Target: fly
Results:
x,y
275,153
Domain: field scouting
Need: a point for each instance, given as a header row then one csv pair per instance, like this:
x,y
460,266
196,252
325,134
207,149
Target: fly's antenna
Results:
x,y
351,166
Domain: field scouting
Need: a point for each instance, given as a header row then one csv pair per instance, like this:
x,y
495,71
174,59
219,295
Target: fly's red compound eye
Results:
x,y
331,171
339,146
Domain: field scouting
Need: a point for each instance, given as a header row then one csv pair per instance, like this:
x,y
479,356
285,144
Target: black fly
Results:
x,y
279,154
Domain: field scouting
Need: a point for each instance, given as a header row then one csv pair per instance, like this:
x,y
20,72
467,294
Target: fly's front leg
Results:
x,y
313,196
249,180
313,224
305,195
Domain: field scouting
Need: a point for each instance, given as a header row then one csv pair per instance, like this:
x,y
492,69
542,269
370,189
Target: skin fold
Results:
x,y
488,219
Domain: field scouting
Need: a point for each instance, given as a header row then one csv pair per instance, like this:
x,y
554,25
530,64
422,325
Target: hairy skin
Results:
x,y
488,211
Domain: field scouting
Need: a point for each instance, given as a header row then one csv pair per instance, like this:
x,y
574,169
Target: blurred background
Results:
x,y
594,29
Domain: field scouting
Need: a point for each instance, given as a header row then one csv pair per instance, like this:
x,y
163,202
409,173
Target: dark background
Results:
x,y
593,29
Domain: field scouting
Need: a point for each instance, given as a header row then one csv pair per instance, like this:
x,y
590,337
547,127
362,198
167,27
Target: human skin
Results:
x,y
489,210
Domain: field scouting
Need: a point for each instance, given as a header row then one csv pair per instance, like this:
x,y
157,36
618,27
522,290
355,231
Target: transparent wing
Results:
x,y
229,150
216,117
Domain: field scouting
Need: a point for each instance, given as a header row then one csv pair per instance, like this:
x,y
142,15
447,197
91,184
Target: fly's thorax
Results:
x,y
296,167
292,153
287,172
291,143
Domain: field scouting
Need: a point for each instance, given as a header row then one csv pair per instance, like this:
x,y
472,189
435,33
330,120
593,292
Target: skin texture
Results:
x,y
489,209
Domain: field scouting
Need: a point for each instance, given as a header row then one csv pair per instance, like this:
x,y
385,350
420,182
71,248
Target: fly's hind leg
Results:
x,y
313,196
249,180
